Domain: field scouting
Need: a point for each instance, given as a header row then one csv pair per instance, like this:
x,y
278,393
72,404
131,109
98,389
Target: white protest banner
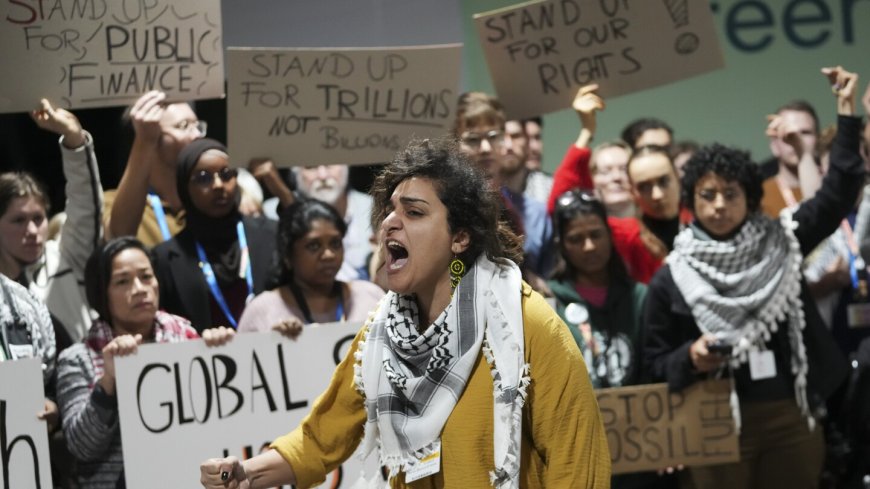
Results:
x,y
539,53
98,53
337,106
183,403
649,428
23,437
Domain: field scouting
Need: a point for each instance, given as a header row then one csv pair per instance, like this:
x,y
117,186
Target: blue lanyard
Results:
x,y
855,260
303,304
154,200
339,311
244,264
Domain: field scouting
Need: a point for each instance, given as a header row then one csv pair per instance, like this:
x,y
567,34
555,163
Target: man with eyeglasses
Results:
x,y
481,129
146,202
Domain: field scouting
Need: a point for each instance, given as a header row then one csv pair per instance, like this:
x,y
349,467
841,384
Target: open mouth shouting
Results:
x,y
397,255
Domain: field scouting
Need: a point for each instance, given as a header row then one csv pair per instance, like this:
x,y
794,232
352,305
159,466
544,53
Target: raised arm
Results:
x,y
84,192
130,199
809,174
818,217
574,170
265,171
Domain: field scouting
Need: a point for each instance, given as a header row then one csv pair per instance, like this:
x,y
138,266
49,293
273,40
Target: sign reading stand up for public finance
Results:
x,y
302,107
98,53
649,428
24,458
183,403
540,53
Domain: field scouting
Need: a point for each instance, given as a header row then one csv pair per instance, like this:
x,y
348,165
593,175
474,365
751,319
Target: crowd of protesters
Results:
x,y
666,261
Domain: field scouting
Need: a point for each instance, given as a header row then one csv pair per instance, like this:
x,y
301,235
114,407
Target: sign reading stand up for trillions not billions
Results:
x,y
539,53
337,105
98,53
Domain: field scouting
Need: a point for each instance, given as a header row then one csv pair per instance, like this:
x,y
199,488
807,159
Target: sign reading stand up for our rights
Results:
x,y
539,53
98,53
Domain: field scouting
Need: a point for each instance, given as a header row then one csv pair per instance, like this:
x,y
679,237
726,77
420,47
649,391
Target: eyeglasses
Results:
x,y
205,178
473,140
570,197
187,124
729,194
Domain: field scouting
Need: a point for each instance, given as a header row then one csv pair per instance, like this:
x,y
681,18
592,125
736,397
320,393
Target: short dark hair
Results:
x,y
295,222
802,106
633,131
472,204
731,164
98,271
536,119
20,184
574,204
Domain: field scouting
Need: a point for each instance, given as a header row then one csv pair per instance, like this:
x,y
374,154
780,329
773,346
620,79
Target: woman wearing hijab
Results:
x,y
210,270
463,377
732,298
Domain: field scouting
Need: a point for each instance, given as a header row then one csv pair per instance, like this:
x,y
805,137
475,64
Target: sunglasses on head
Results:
x,y
570,197
205,177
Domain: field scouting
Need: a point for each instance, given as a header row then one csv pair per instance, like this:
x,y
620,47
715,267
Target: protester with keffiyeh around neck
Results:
x,y
732,301
463,376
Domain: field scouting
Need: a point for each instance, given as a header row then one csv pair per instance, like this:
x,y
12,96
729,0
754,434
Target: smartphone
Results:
x,y
721,347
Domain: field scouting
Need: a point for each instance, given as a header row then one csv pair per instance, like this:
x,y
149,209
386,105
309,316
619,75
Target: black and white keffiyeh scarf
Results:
x,y
412,380
741,289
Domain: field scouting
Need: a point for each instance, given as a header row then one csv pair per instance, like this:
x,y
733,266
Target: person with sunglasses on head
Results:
x,y
600,303
647,175
221,259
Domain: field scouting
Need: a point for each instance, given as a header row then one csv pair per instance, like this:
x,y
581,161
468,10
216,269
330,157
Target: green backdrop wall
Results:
x,y
773,52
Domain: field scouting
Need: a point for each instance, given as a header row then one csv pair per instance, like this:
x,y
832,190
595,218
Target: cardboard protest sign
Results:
x,y
183,403
649,428
97,53
23,437
539,53
337,106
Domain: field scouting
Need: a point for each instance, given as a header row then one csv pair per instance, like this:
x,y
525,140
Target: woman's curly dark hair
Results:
x,y
472,204
731,164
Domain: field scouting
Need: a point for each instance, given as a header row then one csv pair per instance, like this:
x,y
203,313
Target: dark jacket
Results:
x,y
183,289
616,324
670,328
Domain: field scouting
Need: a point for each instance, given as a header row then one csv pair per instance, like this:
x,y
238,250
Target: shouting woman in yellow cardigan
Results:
x,y
463,376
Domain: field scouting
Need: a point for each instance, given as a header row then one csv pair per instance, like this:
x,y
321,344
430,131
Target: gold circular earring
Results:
x,y
457,270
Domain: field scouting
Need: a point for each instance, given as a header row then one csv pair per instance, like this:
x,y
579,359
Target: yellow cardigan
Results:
x,y
563,443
